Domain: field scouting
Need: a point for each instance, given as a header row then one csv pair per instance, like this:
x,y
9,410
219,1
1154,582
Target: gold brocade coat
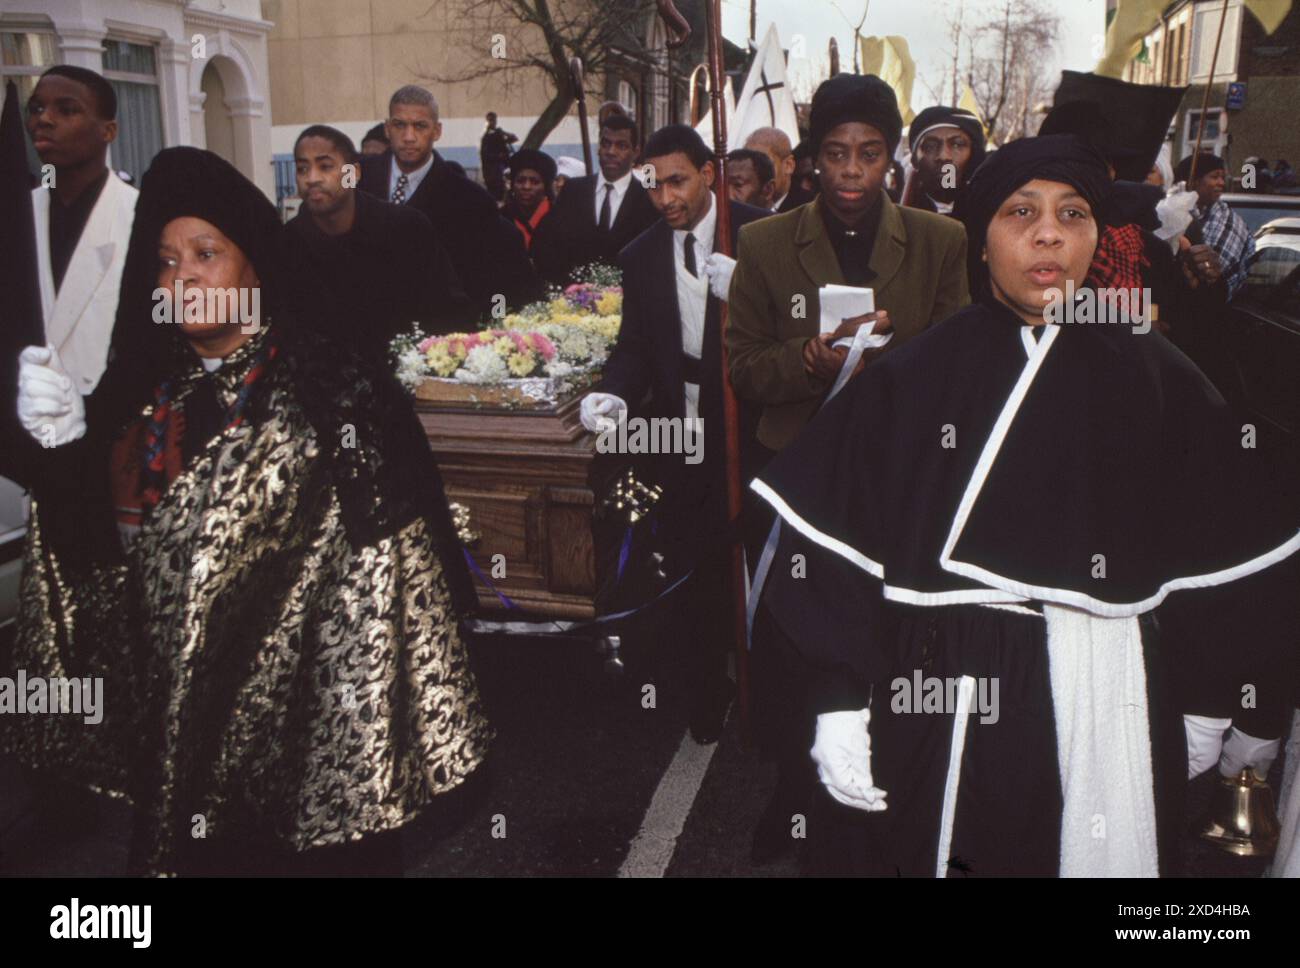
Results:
x,y
265,679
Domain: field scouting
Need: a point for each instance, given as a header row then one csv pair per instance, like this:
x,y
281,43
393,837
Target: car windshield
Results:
x,y
1256,215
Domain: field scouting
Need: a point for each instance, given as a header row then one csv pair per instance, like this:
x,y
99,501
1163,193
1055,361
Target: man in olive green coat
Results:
x,y
853,235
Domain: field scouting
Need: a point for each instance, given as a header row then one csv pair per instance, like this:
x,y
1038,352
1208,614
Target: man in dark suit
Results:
x,y
486,250
669,353
599,214
356,268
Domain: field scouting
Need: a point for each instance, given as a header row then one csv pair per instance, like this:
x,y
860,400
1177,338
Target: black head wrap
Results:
x,y
854,97
184,182
955,117
1059,157
533,160
1205,163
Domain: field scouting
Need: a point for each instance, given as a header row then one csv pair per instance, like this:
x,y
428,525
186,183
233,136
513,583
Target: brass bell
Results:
x,y
1243,816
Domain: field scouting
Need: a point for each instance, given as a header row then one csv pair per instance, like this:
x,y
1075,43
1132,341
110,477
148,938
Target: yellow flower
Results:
x,y
521,364
441,361
504,346
610,303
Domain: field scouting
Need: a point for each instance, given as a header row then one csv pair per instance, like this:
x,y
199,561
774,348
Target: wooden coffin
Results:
x,y
530,478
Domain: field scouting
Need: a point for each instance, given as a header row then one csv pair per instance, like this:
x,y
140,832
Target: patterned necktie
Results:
x,y
690,255
604,208
399,193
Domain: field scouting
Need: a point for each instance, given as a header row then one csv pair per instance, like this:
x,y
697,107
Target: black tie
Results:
x,y
604,208
690,255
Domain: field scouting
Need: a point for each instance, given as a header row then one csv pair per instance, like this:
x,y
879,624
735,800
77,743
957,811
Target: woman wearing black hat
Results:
x,y
981,565
245,535
532,190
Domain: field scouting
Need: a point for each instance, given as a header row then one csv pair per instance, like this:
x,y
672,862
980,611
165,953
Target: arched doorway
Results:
x,y
218,124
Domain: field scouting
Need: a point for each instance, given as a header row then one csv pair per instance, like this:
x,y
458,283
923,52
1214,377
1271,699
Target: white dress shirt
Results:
x,y
615,197
413,178
693,293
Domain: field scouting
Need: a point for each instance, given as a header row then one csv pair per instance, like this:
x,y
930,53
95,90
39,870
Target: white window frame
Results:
x,y
1205,25
130,77
1189,133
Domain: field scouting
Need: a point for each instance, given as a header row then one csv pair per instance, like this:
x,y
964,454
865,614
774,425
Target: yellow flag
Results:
x,y
890,60
1270,13
1133,20
968,103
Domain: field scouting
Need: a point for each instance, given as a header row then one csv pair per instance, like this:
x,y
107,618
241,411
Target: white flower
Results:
x,y
410,368
483,364
558,368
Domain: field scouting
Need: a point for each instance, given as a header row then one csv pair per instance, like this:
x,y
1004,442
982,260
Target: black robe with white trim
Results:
x,y
1080,471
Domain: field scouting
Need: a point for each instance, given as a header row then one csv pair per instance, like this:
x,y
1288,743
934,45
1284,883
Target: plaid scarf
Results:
x,y
1119,260
1227,235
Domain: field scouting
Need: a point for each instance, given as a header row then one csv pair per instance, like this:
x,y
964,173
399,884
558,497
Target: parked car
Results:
x,y
1257,210
1262,338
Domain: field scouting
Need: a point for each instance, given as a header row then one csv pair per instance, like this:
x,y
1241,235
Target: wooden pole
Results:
x,y
575,73
1205,101
731,411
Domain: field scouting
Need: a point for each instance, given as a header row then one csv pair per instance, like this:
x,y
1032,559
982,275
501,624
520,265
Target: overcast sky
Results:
x,y
922,22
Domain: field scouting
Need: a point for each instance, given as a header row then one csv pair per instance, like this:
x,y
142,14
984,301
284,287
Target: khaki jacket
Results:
x,y
919,259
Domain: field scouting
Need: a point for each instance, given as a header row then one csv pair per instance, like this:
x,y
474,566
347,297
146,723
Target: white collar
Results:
x,y
412,177
776,207
211,363
705,229
943,208
620,186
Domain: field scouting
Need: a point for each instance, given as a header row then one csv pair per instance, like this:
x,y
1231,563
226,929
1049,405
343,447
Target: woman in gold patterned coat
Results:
x,y
246,538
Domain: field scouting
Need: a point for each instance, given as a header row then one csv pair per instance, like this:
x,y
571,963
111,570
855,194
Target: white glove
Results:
x,y
49,406
1204,742
600,411
718,268
1241,750
842,752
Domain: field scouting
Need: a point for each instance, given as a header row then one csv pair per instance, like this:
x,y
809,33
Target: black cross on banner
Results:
x,y
767,89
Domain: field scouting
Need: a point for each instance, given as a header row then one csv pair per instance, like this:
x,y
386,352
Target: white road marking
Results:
x,y
665,817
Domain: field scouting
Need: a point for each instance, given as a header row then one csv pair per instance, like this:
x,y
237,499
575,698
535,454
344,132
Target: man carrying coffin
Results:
x,y
669,350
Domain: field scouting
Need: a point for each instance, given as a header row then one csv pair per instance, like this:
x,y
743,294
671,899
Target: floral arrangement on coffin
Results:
x,y
536,356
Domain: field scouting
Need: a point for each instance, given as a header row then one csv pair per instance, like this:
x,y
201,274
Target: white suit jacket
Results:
x,y
79,321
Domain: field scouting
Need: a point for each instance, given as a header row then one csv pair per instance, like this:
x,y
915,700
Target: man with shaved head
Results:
x,y
486,250
775,143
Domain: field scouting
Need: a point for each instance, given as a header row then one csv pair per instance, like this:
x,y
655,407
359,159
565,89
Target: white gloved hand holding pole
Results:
x,y
49,406
600,411
842,752
718,268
